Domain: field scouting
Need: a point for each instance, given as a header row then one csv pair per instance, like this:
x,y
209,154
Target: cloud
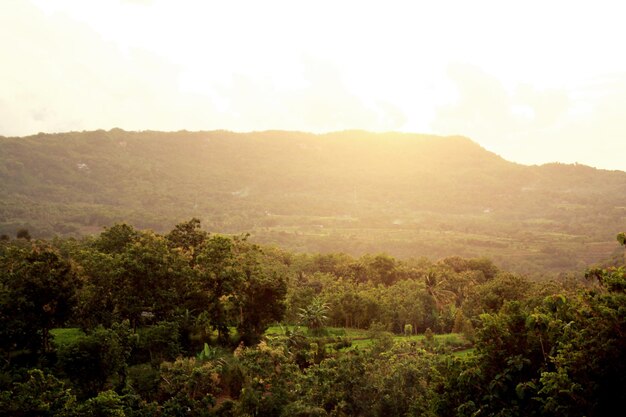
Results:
x,y
327,104
321,102
578,124
597,134
64,75
485,108
504,121
548,106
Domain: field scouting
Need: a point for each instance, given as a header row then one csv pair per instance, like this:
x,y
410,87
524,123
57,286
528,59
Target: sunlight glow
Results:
x,y
449,67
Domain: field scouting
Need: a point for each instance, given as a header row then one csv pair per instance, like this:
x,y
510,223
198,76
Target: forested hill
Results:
x,y
356,192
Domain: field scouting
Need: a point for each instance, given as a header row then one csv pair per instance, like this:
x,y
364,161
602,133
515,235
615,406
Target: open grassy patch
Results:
x,y
66,336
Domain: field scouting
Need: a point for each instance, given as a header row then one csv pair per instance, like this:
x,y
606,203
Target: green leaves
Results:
x,y
98,360
244,287
38,287
131,275
613,279
40,394
556,356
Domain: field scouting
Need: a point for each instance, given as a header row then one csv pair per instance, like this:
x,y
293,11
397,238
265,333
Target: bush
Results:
x,y
158,343
144,381
98,360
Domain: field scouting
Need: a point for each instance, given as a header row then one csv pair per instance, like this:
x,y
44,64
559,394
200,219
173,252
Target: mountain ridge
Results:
x,y
352,191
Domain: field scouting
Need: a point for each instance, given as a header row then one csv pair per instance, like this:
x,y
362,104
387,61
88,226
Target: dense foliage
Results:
x,y
135,323
351,192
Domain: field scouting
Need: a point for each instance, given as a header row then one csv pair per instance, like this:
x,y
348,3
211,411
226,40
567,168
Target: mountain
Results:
x,y
357,192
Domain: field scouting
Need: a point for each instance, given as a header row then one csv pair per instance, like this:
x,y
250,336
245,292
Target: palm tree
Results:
x,y
314,315
436,285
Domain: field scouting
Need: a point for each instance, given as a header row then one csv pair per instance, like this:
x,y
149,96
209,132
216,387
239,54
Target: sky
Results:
x,y
533,81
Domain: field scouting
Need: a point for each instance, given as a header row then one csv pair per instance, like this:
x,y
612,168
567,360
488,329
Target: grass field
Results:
x,y
359,338
66,336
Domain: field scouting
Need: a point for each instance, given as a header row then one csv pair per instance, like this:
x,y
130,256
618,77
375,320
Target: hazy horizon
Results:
x,y
532,82
253,132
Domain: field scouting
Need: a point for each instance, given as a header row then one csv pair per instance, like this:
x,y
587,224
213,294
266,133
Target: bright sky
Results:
x,y
533,81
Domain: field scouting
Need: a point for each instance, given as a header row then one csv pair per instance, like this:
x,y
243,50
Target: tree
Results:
x,y
551,357
244,286
261,297
97,299
398,381
159,342
38,289
492,295
150,278
105,404
219,277
98,360
188,237
589,377
384,268
190,378
39,395
116,238
132,273
436,285
314,316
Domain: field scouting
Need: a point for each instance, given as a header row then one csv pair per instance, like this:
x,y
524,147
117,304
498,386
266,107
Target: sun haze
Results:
x,y
532,81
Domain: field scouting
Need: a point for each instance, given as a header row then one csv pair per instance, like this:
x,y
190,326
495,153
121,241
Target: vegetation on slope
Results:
x,y
175,325
354,192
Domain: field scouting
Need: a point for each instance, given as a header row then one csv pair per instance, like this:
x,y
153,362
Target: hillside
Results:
x,y
357,192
